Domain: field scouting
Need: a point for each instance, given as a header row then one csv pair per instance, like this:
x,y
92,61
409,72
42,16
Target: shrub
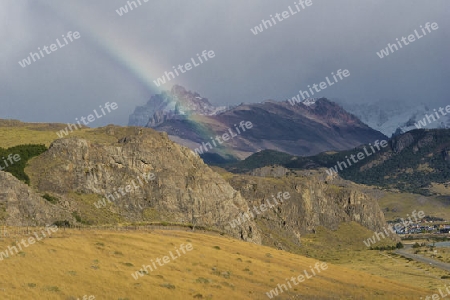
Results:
x,y
26,152
202,280
50,199
168,285
53,289
80,220
64,223
76,216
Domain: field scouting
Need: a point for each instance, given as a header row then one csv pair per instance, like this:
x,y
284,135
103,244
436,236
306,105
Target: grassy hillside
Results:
x,y
345,247
72,264
15,133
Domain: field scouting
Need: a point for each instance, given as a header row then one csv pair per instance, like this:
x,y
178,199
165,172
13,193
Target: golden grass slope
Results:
x,y
76,263
15,133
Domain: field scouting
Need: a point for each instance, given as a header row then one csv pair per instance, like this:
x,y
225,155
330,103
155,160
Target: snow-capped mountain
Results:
x,y
393,118
170,104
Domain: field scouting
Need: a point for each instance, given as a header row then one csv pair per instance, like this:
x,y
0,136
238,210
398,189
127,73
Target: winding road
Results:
x,y
435,263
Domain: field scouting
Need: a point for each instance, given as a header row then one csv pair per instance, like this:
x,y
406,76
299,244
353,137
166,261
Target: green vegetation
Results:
x,y
25,152
50,199
259,160
383,248
60,224
413,169
81,220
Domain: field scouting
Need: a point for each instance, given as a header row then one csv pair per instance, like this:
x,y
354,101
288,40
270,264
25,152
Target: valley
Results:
x,y
322,218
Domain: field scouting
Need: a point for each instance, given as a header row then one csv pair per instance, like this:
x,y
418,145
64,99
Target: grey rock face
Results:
x,y
312,203
21,206
184,190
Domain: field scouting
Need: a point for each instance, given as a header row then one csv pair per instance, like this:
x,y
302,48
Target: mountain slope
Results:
x,y
411,162
100,263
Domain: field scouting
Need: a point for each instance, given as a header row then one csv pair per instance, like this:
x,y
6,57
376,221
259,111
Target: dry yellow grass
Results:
x,y
14,133
345,247
76,263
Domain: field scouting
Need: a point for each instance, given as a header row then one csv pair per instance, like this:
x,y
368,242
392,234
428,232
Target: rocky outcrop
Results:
x,y
313,202
401,142
184,189
21,206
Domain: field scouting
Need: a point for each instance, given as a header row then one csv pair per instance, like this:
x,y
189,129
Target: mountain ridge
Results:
x,y
301,129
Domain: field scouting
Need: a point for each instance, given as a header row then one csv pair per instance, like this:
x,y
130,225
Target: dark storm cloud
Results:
x,y
297,52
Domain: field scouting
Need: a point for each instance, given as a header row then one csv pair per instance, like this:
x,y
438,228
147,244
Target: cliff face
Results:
x,y
313,202
184,189
21,206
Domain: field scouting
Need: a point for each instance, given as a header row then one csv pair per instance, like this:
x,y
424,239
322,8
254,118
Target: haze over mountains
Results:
x,y
395,117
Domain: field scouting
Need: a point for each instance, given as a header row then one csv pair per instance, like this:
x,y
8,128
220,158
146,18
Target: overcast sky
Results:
x,y
117,57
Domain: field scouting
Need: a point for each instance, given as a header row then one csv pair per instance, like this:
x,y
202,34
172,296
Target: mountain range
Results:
x,y
306,128
394,117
